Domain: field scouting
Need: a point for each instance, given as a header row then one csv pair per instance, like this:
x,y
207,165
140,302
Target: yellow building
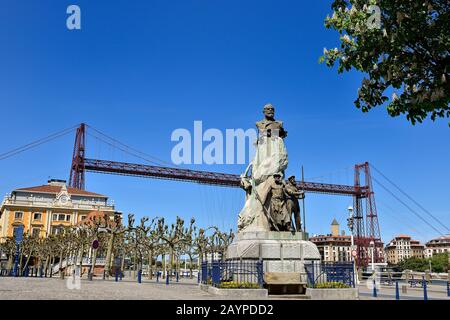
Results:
x,y
45,209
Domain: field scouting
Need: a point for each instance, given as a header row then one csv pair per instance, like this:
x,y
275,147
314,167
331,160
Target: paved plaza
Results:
x,y
98,289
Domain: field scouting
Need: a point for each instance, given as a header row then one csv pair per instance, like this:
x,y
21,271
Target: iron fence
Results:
x,y
27,272
233,273
325,272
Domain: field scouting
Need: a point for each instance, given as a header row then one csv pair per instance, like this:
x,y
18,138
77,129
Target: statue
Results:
x,y
269,125
293,207
258,181
269,224
277,198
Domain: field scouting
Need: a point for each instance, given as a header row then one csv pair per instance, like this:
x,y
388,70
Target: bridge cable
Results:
x,y
410,198
408,207
36,143
123,149
400,219
144,156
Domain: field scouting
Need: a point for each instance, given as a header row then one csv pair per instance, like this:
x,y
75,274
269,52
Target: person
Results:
x,y
292,204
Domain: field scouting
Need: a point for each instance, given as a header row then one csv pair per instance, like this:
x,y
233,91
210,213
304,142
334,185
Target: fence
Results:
x,y
236,273
27,272
322,272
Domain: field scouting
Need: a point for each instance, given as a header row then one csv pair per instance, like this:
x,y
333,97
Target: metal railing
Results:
x,y
325,272
235,274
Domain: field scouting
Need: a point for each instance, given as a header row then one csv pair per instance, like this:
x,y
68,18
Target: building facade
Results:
x,y
403,247
46,209
335,246
437,245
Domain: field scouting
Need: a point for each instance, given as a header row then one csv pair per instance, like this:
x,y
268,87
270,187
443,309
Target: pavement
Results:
x,y
384,292
128,289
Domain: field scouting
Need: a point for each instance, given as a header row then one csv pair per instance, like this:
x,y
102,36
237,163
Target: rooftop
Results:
x,y
55,187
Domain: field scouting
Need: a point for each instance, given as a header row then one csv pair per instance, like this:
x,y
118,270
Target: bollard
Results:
x,y
139,276
167,279
448,289
425,294
397,292
178,277
117,275
121,275
198,277
374,289
157,276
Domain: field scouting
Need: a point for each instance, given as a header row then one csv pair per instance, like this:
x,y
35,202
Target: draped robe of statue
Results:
x,y
270,158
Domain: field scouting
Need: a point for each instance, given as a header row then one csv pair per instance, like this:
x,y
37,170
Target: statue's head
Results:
x,y
269,111
277,177
292,179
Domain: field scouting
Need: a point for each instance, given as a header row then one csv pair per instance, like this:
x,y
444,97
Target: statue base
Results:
x,y
284,255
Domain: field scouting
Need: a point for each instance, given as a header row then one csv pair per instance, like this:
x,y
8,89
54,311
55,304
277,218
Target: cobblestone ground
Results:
x,y
98,289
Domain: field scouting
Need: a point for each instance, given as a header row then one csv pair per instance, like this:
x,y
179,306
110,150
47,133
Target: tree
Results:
x,y
114,229
401,45
175,237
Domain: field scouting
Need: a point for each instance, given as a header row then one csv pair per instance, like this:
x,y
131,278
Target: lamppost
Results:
x,y
372,244
350,224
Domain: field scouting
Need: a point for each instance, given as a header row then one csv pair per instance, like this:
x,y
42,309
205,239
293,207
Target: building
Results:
x,y
46,209
403,247
437,245
335,246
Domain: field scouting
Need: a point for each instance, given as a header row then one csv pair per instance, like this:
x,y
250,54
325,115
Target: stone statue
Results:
x,y
293,207
276,201
266,230
259,178
269,126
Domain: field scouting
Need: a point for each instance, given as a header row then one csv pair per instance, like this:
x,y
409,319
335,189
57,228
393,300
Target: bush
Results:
x,y
238,285
332,285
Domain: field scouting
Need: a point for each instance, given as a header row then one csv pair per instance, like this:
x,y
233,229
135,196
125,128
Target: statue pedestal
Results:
x,y
284,255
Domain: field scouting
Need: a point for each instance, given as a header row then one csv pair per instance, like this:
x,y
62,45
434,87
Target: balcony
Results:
x,y
49,203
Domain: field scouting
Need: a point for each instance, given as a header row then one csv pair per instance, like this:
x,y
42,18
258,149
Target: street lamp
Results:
x,y
350,222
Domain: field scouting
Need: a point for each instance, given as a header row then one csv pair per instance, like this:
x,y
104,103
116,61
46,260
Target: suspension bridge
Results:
x,y
366,229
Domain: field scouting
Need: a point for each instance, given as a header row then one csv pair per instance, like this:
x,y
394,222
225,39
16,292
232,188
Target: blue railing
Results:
x,y
27,272
321,272
236,272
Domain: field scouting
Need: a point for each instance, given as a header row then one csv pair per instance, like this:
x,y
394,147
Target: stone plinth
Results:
x,y
280,251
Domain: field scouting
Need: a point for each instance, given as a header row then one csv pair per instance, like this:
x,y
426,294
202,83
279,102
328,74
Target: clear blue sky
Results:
x,y
140,69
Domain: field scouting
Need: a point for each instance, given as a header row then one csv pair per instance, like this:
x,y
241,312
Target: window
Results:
x,y
82,217
61,217
37,216
35,232
18,215
67,217
55,217
56,230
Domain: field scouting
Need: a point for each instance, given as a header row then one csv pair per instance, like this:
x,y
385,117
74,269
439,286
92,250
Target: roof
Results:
x,y
334,223
56,189
403,236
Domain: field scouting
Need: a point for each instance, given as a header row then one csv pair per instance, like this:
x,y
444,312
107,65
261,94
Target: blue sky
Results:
x,y
140,69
